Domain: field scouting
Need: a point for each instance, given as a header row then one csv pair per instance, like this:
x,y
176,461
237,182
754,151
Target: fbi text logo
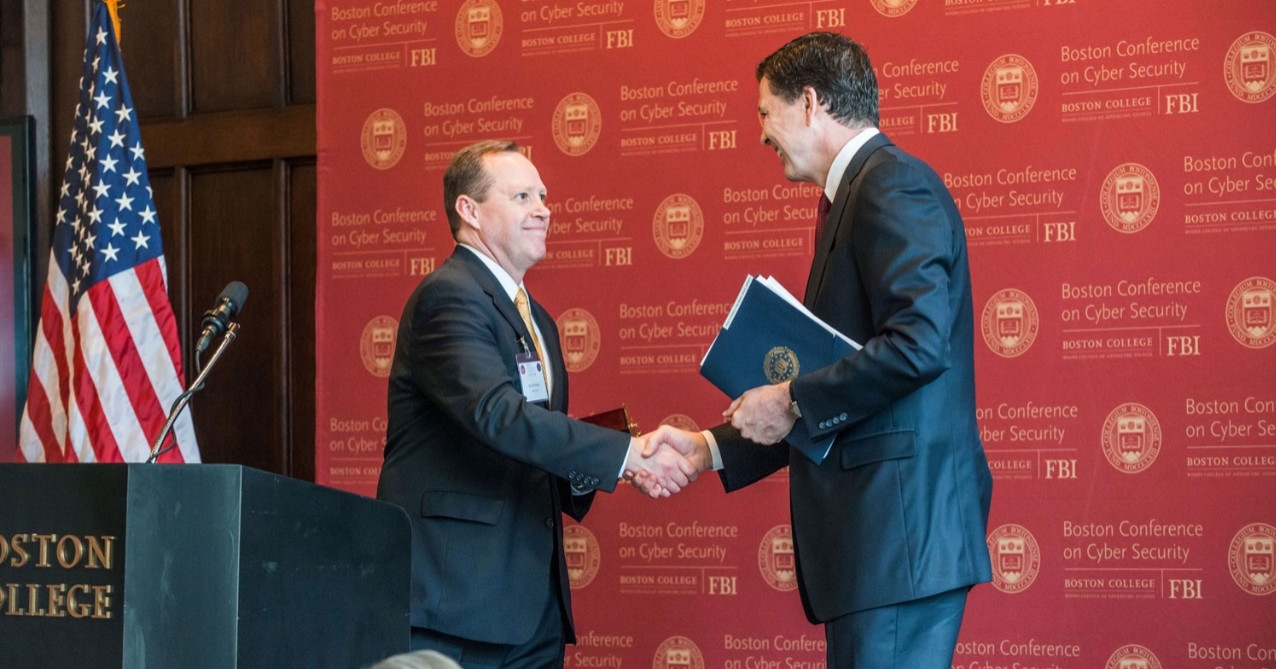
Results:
x,y
1009,322
1248,67
478,27
678,18
1130,197
583,555
1251,312
1016,558
678,226
577,123
376,345
1009,88
1131,438
384,138
1251,558
581,339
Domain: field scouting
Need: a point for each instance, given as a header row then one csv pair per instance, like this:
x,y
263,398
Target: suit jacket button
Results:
x,y
549,522
843,416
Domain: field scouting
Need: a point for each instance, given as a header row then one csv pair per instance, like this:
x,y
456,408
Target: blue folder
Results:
x,y
770,339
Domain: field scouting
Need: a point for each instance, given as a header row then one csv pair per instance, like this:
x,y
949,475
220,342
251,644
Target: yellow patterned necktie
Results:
x,y
520,301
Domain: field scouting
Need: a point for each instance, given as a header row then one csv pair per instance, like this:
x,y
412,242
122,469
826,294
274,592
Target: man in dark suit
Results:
x,y
890,527
478,449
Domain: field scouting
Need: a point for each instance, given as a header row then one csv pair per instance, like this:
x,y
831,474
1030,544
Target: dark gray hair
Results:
x,y
835,66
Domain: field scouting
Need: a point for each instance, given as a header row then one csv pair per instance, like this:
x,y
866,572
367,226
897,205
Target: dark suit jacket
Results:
x,y
483,474
899,509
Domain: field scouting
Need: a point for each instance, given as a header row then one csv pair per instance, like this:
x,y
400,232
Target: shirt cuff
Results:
x,y
713,449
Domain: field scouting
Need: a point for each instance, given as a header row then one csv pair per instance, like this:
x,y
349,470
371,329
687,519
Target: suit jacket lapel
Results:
x,y
500,301
842,203
505,307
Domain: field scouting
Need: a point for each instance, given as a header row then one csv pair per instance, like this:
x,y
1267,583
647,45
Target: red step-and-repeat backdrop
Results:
x,y
1115,163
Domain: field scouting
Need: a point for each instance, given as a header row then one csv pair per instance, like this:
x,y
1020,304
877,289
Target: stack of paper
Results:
x,y
771,337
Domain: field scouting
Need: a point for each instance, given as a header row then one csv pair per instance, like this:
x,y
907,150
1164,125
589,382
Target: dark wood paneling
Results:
x,y
236,235
151,43
301,53
236,55
302,209
232,136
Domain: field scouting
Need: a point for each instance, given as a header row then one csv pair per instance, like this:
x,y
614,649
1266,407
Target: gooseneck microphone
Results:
x,y
217,319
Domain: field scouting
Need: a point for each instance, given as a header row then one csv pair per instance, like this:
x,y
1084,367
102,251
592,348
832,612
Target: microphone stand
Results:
x,y
183,399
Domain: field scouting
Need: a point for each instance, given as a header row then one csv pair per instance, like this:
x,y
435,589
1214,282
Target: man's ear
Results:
x,y
467,209
810,102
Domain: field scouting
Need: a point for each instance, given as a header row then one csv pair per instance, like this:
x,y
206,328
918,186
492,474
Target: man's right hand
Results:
x,y
686,452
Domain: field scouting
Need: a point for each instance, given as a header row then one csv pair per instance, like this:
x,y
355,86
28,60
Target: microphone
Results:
x,y
224,310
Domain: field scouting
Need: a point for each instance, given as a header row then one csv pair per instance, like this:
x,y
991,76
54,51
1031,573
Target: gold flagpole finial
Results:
x,y
113,6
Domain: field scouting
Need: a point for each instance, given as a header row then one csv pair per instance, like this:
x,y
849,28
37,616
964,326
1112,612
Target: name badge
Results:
x,y
531,375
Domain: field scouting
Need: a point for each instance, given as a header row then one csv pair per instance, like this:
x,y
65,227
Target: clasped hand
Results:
x,y
665,461
763,414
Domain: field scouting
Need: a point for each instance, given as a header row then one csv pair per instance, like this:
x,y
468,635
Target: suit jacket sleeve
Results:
x,y
462,358
903,250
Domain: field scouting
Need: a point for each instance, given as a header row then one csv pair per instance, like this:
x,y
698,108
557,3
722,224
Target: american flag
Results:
x,y
106,365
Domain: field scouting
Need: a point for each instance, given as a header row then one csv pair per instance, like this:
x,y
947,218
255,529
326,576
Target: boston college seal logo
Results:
x,y
678,652
1130,198
1251,312
678,226
1132,656
1016,558
1009,88
478,27
577,124
581,339
776,559
1009,322
678,18
681,421
383,139
893,8
376,345
1131,438
1248,67
583,555
1251,557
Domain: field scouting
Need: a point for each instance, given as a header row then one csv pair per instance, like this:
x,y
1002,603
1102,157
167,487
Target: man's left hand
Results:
x,y
762,414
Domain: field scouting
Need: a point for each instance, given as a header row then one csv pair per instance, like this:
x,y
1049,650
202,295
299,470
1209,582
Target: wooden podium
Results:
x,y
196,566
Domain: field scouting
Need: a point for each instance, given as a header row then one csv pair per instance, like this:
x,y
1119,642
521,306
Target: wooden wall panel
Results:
x,y
236,55
151,43
301,245
301,53
236,235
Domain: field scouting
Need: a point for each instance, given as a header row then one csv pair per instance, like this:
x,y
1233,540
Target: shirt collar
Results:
x,y
843,160
503,277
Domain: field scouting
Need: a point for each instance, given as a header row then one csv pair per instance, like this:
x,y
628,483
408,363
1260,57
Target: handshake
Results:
x,y
665,461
